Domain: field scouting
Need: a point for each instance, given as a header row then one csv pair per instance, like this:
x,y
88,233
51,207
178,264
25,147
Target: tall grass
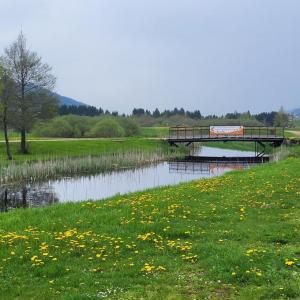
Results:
x,y
57,167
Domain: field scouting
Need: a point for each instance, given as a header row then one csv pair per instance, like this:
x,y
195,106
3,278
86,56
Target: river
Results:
x,y
113,183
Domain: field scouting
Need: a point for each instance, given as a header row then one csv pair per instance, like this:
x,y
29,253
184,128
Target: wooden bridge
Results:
x,y
259,135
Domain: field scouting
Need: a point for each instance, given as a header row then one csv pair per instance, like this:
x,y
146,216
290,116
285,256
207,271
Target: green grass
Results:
x,y
161,132
78,148
13,135
292,133
249,146
296,123
235,236
147,132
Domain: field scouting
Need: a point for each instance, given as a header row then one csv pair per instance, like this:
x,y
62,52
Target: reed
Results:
x,y
34,171
280,153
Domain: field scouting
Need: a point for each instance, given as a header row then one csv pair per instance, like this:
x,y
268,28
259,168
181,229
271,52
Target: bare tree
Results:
x,y
32,78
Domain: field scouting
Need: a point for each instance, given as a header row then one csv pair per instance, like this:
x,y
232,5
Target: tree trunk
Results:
x,y
24,197
23,141
8,152
23,130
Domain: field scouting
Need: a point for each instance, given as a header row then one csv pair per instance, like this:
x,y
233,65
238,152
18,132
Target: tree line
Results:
x,y
273,118
25,91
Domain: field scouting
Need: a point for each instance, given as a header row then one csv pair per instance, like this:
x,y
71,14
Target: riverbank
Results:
x,y
43,170
49,149
231,236
54,159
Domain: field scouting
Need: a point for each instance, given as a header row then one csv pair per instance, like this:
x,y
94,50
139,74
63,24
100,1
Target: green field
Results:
x,y
148,132
81,147
235,236
161,132
296,123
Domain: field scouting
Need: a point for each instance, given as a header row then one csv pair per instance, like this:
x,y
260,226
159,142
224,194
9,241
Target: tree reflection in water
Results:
x,y
23,196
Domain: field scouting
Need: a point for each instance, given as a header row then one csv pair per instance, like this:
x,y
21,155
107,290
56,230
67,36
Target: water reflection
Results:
x,y
210,168
109,184
199,150
23,196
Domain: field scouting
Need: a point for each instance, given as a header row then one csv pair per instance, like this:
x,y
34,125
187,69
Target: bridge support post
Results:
x,y
262,152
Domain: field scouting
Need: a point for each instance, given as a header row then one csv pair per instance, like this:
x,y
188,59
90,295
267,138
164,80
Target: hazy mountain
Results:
x,y
295,112
69,101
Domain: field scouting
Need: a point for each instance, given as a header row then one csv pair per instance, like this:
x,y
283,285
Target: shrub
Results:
x,y
106,128
80,124
57,127
130,127
84,126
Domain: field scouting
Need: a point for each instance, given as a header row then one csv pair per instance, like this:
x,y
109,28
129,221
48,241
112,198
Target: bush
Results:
x,y
106,128
130,127
80,124
57,127
84,126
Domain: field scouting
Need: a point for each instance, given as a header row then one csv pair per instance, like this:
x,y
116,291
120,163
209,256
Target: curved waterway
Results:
x,y
119,182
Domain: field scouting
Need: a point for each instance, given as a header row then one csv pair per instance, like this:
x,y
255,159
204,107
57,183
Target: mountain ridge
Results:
x,y
64,100
295,112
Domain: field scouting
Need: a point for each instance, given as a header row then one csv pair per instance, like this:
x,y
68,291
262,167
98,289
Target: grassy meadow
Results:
x,y
160,132
235,236
56,148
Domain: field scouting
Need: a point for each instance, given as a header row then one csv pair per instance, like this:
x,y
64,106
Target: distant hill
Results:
x,y
295,112
69,101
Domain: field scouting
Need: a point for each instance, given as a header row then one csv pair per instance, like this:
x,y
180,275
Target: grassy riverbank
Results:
x,y
43,170
53,159
39,150
233,236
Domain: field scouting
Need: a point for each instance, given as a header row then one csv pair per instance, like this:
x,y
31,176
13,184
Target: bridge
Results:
x,y
260,135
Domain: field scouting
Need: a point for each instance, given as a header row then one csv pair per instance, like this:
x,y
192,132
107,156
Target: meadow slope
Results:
x,y
235,236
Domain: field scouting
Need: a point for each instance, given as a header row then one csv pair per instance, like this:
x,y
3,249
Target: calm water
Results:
x,y
118,182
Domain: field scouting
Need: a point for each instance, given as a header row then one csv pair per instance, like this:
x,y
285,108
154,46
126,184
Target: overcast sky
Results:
x,y
213,55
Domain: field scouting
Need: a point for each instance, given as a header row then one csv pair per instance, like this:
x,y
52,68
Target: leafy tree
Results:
x,y
138,112
33,81
266,118
281,118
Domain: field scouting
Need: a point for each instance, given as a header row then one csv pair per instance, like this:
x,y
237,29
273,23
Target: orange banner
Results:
x,y
226,130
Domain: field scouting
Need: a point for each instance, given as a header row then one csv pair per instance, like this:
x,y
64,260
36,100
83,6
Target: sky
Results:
x,y
217,56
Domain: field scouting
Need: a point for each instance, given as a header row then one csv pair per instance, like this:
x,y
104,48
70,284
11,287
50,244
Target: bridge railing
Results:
x,y
203,132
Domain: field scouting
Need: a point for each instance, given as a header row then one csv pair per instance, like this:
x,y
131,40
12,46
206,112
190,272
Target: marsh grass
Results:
x,y
280,153
68,166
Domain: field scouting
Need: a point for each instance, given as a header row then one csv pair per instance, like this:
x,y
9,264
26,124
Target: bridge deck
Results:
x,y
202,134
